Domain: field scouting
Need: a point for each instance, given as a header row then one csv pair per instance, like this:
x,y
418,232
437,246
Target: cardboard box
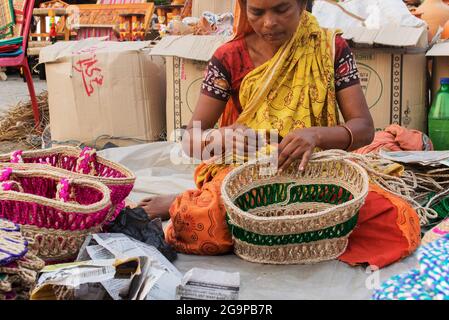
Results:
x,y
440,65
214,6
394,85
186,61
101,88
393,71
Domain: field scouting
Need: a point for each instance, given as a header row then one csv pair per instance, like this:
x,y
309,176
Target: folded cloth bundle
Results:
x,y
397,138
9,48
18,266
11,54
429,282
9,41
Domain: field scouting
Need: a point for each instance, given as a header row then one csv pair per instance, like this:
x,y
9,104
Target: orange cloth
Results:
x,y
387,231
198,219
397,138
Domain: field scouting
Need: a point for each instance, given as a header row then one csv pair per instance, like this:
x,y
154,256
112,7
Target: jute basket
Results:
x,y
77,163
294,217
56,212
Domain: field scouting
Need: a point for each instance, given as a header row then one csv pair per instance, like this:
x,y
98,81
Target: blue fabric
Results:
x,y
16,40
428,282
11,54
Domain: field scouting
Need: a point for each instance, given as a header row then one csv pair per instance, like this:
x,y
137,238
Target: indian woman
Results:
x,y
280,72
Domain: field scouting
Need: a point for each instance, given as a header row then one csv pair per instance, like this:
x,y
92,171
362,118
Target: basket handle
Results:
x,y
6,184
86,161
64,191
11,186
5,174
16,156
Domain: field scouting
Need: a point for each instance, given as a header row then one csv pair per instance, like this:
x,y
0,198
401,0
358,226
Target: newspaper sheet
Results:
x,y
158,279
200,284
425,158
84,277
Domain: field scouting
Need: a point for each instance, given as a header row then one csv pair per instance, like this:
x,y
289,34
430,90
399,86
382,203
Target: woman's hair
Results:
x,y
309,3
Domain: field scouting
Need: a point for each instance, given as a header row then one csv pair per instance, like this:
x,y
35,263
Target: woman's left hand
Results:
x,y
297,145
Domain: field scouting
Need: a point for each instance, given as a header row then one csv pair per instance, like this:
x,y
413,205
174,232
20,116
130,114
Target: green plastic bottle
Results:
x,y
439,118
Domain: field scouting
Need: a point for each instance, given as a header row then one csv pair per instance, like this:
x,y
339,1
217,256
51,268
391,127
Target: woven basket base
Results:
x,y
306,253
55,245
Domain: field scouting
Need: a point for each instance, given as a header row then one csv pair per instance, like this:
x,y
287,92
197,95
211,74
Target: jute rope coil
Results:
x,y
294,217
413,185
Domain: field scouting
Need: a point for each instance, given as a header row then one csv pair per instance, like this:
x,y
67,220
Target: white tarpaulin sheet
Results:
x,y
156,174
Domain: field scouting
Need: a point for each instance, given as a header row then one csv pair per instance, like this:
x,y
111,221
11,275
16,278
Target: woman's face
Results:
x,y
275,21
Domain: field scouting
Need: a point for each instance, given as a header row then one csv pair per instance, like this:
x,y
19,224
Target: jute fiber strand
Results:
x,y
294,217
17,124
413,184
57,225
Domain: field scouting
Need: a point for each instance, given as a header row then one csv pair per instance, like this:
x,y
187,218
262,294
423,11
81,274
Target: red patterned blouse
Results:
x,y
232,62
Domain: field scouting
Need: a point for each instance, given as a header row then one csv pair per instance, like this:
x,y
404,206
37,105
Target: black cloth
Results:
x,y
136,224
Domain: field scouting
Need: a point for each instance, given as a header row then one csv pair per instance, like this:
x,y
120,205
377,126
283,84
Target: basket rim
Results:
x,y
74,151
58,232
249,258
230,203
64,206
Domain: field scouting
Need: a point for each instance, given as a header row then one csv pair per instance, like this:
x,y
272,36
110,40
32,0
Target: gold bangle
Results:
x,y
351,135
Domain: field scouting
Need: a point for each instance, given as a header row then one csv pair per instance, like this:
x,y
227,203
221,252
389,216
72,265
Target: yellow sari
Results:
x,y
295,89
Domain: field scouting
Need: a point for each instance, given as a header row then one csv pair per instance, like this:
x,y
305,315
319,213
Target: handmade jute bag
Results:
x,y
294,217
57,212
77,163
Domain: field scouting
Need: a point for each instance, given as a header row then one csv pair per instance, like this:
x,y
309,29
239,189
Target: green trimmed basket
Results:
x,y
294,217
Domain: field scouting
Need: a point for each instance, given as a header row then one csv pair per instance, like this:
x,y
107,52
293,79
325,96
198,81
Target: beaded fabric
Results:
x,y
428,282
294,217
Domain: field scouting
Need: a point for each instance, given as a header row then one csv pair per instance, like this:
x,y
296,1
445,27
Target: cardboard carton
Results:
x,y
186,61
101,88
214,6
389,44
393,73
440,66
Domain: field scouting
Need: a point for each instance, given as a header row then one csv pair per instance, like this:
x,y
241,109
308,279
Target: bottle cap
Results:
x,y
444,81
